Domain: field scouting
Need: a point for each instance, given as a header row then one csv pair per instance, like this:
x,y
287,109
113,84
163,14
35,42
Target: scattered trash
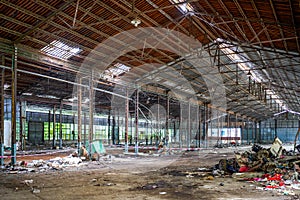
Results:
x,y
84,153
269,169
203,169
109,184
27,181
35,191
159,184
95,157
209,178
162,192
189,176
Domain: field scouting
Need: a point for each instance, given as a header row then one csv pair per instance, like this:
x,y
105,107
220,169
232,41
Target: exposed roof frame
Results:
x,y
60,9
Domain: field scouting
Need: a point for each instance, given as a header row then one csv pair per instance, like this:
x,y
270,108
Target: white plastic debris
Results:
x,y
276,148
71,160
28,181
35,191
260,188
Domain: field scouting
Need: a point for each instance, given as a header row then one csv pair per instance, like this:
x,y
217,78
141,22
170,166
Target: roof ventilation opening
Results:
x,y
117,70
60,50
183,6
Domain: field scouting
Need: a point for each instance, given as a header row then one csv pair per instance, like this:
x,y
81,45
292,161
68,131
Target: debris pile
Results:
x,y
41,165
271,168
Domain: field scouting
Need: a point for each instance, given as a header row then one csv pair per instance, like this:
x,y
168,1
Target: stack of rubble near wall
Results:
x,y
271,168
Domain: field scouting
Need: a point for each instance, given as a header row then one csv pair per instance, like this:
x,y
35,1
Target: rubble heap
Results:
x,y
271,168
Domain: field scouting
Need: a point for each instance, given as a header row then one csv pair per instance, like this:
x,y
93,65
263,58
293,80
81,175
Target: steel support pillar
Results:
x,y
206,124
242,131
180,127
49,123
79,121
84,128
255,132
236,129
131,130
229,129
54,128
137,122
72,137
14,107
118,128
247,131
2,116
60,125
259,132
113,133
275,128
22,124
199,129
167,137
109,128
126,121
91,112
189,127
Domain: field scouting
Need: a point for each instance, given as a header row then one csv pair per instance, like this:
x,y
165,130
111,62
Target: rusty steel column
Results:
x,y
118,128
108,128
60,125
180,127
79,121
84,128
49,123
206,124
126,121
91,112
228,129
248,131
22,124
256,132
199,129
113,133
167,138
253,132
137,122
54,127
259,132
189,127
14,107
275,124
2,115
236,127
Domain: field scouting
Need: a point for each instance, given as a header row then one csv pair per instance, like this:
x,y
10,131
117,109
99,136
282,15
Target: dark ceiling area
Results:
x,y
252,46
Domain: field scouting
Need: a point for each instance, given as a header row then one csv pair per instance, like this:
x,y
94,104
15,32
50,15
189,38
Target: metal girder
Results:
x,y
276,18
64,28
248,23
39,24
236,24
262,22
294,24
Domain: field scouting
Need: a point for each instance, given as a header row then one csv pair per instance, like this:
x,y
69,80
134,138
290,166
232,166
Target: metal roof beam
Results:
x,y
39,24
